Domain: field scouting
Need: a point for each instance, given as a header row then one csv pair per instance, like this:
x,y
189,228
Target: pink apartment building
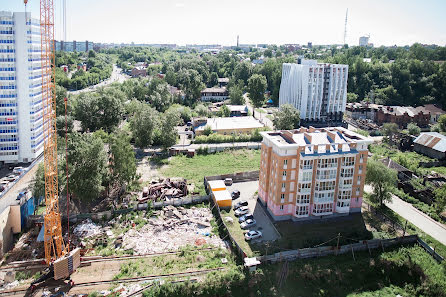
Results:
x,y
312,173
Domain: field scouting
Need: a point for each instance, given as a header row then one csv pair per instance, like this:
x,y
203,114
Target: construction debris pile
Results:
x,y
172,229
87,229
165,189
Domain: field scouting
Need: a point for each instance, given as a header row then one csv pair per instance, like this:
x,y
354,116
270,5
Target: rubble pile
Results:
x,y
165,189
172,229
87,229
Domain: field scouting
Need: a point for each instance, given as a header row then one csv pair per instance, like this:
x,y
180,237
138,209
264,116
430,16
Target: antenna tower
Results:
x,y
345,26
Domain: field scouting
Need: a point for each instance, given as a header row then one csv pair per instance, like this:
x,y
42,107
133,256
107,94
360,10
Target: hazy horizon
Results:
x,y
181,22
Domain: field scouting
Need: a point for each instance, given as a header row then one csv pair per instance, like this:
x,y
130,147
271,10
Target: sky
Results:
x,y
389,22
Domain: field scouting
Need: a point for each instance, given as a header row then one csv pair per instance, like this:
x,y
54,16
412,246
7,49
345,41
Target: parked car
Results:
x,y
240,204
18,170
248,223
189,124
245,217
241,211
235,194
252,234
228,181
11,177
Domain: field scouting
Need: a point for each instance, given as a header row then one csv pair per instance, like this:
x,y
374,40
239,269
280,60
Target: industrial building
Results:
x,y
431,144
227,126
318,91
21,107
311,173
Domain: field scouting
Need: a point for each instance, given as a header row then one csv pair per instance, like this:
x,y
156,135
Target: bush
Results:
x,y
219,138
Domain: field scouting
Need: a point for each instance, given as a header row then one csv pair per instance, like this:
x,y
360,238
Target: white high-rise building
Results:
x,y
364,40
318,91
21,107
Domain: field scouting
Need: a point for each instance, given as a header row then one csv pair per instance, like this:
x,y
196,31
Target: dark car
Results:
x,y
189,124
240,204
246,217
235,194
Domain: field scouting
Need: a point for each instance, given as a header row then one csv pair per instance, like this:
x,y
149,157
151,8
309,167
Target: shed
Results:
x,y
431,144
251,263
217,185
223,198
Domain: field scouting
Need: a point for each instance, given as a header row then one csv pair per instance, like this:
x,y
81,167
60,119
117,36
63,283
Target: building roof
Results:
x,y
389,163
217,185
223,80
401,110
222,195
231,123
433,140
241,108
214,90
434,110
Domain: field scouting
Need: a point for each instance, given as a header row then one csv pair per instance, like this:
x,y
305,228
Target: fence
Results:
x,y
141,206
333,250
236,177
233,146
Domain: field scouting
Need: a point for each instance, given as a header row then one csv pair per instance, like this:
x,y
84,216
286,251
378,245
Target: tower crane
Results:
x,y
58,257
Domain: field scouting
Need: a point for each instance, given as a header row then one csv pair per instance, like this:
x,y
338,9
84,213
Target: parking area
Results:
x,y
264,224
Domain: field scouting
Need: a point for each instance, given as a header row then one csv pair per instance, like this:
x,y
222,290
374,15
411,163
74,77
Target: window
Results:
x,y
284,174
306,164
285,162
347,172
281,207
302,199
323,208
343,203
360,169
327,163
359,180
348,161
305,188
302,210
326,174
283,185
343,195
282,198
306,176
346,184
324,197
361,158
325,186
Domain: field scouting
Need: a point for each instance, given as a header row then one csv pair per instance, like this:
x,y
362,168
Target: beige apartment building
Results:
x,y
311,173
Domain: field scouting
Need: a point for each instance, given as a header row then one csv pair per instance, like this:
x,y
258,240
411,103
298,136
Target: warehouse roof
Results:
x,y
231,123
433,140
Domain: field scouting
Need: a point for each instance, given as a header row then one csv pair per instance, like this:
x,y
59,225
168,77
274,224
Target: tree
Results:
x,y
122,159
61,94
213,79
207,130
440,199
191,82
169,121
256,88
243,72
389,129
442,122
236,94
286,118
159,95
60,125
87,161
413,129
352,97
224,112
202,110
142,125
382,179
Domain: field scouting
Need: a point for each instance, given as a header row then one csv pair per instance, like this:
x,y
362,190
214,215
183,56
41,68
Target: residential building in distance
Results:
x,y
227,126
21,107
364,41
139,71
74,46
214,94
435,112
431,144
223,82
318,91
401,115
238,110
311,173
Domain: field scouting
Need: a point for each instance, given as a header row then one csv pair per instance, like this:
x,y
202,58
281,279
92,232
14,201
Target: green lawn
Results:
x,y
196,168
238,233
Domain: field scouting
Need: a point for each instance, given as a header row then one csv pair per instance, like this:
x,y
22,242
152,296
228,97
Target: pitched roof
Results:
x,y
433,140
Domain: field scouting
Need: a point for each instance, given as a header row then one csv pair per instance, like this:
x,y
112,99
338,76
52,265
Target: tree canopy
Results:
x,y
286,118
382,179
256,89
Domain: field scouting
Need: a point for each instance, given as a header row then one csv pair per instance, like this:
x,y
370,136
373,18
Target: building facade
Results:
x,y
21,107
364,40
214,94
311,173
74,46
318,91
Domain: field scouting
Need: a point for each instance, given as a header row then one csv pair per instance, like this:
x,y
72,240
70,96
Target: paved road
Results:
x,y
116,76
9,198
264,224
260,116
416,217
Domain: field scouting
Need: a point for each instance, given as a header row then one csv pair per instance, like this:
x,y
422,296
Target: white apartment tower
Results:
x,y
318,91
21,107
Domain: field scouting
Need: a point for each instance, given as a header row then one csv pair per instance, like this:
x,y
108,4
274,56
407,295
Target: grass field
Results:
x,y
196,168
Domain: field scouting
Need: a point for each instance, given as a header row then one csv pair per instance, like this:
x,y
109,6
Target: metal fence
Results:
x,y
333,250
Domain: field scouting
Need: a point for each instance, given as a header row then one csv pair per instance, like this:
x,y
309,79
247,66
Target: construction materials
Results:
x,y
87,229
65,266
166,189
172,229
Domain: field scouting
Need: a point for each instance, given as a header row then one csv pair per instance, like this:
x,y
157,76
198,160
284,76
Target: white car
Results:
x,y
248,223
253,235
241,211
